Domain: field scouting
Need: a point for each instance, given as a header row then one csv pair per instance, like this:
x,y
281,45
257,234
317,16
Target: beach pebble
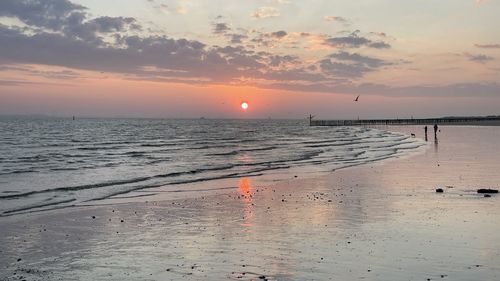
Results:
x,y
487,190
439,190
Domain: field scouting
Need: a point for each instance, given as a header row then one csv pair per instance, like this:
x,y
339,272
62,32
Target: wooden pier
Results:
x,y
428,121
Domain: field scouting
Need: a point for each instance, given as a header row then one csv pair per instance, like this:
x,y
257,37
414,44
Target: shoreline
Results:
x,y
378,221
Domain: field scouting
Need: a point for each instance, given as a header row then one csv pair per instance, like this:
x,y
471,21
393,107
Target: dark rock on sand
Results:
x,y
487,195
487,190
439,190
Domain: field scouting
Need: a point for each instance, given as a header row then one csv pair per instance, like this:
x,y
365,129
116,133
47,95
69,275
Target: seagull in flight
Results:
x,y
357,98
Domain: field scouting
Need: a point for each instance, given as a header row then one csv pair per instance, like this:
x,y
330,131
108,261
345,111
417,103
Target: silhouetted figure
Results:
x,y
311,119
425,130
435,130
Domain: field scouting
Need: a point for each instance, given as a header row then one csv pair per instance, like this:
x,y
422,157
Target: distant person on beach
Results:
x,y
435,129
425,130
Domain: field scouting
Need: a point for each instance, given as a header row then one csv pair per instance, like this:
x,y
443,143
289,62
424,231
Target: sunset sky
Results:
x,y
286,58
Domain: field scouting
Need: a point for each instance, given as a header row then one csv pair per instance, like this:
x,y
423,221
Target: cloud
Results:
x,y
66,17
278,60
335,18
153,57
60,50
379,45
237,38
113,24
16,83
266,12
379,34
350,65
51,14
91,30
224,29
65,35
221,28
60,74
357,58
269,39
160,58
479,58
353,40
279,34
487,46
343,69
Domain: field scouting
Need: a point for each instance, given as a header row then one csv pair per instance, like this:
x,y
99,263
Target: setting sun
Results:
x,y
244,105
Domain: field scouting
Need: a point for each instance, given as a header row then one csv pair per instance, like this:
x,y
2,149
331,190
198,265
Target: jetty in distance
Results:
x,y
485,120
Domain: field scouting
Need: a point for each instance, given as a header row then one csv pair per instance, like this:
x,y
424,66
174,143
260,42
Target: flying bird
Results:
x,y
357,98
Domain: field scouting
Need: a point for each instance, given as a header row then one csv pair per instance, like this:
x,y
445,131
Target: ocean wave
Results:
x,y
259,149
36,206
234,152
19,172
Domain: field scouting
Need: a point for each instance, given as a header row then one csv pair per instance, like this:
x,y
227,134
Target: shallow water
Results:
x,y
52,163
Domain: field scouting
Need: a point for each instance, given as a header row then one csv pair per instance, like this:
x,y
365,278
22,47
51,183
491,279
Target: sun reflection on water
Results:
x,y
246,197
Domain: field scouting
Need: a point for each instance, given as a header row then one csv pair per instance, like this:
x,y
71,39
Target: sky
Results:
x,y
286,58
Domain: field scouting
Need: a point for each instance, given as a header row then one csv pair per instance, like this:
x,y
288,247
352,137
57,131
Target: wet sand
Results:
x,y
382,221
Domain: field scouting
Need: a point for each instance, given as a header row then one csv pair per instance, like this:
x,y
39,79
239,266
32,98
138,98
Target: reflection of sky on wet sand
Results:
x,y
377,222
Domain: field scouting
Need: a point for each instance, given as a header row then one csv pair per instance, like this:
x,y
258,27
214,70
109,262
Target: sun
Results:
x,y
244,105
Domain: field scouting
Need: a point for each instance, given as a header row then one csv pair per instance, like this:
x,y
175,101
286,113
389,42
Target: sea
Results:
x,y
48,163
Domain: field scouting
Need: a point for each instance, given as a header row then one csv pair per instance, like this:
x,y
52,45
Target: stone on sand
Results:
x,y
487,190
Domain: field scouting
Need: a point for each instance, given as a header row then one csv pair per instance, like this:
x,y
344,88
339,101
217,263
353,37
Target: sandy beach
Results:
x,y
379,221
